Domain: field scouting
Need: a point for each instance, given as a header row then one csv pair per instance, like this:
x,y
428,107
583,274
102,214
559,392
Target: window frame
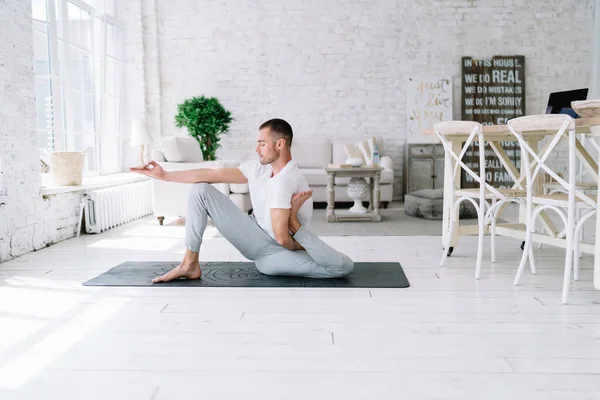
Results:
x,y
63,87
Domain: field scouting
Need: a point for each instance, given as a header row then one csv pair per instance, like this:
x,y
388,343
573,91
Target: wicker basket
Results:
x,y
67,167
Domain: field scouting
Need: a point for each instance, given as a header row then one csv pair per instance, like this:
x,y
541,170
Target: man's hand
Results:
x,y
279,220
297,200
152,169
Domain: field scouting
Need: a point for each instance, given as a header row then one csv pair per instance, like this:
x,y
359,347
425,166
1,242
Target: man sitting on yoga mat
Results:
x,y
276,237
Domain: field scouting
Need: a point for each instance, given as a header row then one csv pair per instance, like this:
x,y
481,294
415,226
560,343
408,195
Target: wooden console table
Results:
x,y
374,193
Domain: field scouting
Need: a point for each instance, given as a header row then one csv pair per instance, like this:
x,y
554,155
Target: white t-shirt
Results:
x,y
267,191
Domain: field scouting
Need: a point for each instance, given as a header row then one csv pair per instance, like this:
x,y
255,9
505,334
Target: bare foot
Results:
x,y
188,271
297,200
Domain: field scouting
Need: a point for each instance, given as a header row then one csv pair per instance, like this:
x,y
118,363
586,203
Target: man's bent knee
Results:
x,y
347,266
200,188
264,268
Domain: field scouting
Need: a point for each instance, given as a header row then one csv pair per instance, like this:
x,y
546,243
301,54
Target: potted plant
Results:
x,y
205,119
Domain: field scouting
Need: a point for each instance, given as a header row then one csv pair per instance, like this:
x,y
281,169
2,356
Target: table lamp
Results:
x,y
140,137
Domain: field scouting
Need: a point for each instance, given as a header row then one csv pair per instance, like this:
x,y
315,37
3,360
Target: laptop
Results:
x,y
560,102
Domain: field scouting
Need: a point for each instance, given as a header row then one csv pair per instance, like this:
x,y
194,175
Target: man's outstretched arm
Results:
x,y
280,219
209,175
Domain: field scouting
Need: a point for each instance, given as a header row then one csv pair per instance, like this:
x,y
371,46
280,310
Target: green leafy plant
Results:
x,y
205,119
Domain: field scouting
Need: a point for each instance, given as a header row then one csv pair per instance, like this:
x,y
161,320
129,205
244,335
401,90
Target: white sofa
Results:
x,y
183,153
311,155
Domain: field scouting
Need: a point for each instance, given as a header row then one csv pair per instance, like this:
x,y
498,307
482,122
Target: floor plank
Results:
x,y
448,336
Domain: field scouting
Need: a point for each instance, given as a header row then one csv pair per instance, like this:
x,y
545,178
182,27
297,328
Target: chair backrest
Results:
x,y
587,108
558,126
473,132
448,128
542,122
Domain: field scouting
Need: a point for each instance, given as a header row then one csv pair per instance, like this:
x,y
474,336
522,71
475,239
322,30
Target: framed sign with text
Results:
x,y
493,91
428,101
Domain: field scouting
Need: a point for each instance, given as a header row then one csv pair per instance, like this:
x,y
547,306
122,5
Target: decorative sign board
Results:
x,y
428,101
493,91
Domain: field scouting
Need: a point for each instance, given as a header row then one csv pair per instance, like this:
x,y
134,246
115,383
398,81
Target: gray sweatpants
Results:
x,y
318,261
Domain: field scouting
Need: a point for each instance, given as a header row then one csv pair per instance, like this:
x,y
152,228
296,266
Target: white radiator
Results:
x,y
113,206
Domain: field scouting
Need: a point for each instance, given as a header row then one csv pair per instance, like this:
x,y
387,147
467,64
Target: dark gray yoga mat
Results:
x,y
245,274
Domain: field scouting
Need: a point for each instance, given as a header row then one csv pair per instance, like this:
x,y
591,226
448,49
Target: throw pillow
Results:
x,y
353,152
181,149
364,150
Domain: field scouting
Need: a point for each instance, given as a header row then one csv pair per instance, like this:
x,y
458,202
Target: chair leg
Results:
x,y
527,253
448,241
578,235
480,244
576,252
493,238
568,264
524,258
531,260
540,245
570,254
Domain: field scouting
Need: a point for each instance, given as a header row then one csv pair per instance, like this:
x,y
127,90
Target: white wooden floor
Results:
x,y
448,336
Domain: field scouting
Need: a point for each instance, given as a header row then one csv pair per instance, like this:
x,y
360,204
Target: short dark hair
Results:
x,y
280,129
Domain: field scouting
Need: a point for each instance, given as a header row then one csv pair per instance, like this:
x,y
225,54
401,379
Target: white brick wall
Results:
x,y
338,68
28,221
152,62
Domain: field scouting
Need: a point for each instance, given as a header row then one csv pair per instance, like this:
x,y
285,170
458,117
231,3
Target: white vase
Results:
x,y
358,190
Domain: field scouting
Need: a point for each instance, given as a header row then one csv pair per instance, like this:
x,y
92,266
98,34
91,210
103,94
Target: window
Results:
x,y
43,87
112,98
78,73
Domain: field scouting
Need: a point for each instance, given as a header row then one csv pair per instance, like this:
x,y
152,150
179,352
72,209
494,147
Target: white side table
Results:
x,y
373,214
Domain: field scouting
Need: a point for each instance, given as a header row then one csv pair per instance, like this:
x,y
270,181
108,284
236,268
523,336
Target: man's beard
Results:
x,y
265,161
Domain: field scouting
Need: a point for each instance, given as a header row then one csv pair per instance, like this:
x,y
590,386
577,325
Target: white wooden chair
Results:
x,y
590,188
487,213
571,199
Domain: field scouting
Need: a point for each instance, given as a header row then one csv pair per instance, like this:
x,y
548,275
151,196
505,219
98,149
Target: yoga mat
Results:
x,y
245,274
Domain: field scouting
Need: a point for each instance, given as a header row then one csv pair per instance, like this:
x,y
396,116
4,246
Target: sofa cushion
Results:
x,y
311,153
315,176
355,147
157,155
387,176
181,149
176,166
239,188
338,148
